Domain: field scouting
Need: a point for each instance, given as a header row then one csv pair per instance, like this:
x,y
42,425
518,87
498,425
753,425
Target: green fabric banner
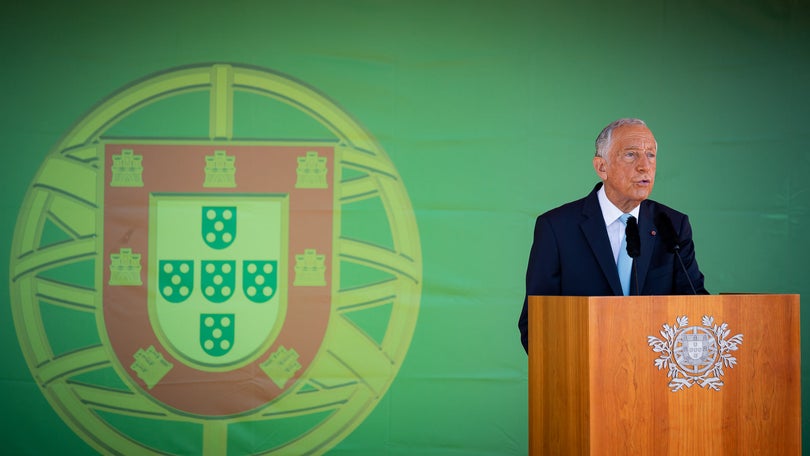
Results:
x,y
303,227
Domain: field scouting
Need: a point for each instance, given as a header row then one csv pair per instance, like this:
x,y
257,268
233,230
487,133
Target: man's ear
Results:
x,y
600,166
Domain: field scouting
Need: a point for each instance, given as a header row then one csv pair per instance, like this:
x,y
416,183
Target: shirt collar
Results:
x,y
609,211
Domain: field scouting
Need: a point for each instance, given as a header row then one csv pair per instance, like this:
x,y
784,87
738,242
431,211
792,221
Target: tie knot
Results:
x,y
624,218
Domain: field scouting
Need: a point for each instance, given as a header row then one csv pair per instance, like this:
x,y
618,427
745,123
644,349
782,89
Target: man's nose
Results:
x,y
643,162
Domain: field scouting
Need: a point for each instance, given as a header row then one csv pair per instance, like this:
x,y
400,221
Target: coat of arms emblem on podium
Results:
x,y
695,355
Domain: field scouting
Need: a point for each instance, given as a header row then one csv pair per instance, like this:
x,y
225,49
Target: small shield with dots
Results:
x,y
176,279
259,280
218,279
219,226
217,333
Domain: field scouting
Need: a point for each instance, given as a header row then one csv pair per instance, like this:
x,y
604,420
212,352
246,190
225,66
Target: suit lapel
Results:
x,y
593,227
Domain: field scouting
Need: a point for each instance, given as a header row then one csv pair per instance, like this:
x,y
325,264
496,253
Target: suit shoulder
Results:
x,y
574,211
656,207
565,211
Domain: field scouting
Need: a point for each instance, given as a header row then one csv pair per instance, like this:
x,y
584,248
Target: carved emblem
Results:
x,y
695,355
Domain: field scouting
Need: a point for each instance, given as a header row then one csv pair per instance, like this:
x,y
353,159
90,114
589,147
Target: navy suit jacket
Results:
x,y
571,256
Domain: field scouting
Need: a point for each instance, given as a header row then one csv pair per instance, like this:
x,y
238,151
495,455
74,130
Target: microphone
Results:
x,y
633,239
671,241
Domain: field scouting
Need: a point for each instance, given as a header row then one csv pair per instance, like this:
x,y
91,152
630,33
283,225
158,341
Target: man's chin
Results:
x,y
644,192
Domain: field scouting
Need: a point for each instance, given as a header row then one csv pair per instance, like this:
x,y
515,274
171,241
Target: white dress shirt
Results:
x,y
615,228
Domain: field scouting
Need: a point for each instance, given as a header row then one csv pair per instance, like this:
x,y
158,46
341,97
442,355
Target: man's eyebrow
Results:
x,y
636,147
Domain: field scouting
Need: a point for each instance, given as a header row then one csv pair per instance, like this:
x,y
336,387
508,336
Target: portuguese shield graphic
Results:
x,y
220,256
215,285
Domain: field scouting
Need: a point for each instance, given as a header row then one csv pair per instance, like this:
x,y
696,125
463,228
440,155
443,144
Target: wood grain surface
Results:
x,y
594,387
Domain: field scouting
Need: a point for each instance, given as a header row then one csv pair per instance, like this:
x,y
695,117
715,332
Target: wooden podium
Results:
x,y
595,387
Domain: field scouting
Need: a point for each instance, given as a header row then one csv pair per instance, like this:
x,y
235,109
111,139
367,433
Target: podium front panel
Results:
x,y
595,387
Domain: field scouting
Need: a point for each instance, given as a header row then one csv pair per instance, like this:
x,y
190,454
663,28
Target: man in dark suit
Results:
x,y
576,246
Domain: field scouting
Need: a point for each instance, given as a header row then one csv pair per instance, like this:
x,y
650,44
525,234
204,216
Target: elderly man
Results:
x,y
577,246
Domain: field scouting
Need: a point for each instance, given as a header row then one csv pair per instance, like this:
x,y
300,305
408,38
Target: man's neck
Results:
x,y
610,211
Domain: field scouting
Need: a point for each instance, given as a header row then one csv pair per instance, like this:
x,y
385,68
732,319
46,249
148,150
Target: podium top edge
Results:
x,y
671,296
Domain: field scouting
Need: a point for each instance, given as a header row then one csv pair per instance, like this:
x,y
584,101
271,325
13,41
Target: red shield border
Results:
x,y
175,168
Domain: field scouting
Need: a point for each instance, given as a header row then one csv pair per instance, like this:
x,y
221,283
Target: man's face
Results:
x,y
629,171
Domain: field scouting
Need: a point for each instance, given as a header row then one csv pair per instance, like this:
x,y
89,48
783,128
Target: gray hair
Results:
x,y
605,137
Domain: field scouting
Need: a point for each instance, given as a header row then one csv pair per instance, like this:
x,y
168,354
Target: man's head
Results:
x,y
625,161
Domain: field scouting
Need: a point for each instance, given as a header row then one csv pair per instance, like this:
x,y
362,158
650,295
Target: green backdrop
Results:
x,y
488,110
